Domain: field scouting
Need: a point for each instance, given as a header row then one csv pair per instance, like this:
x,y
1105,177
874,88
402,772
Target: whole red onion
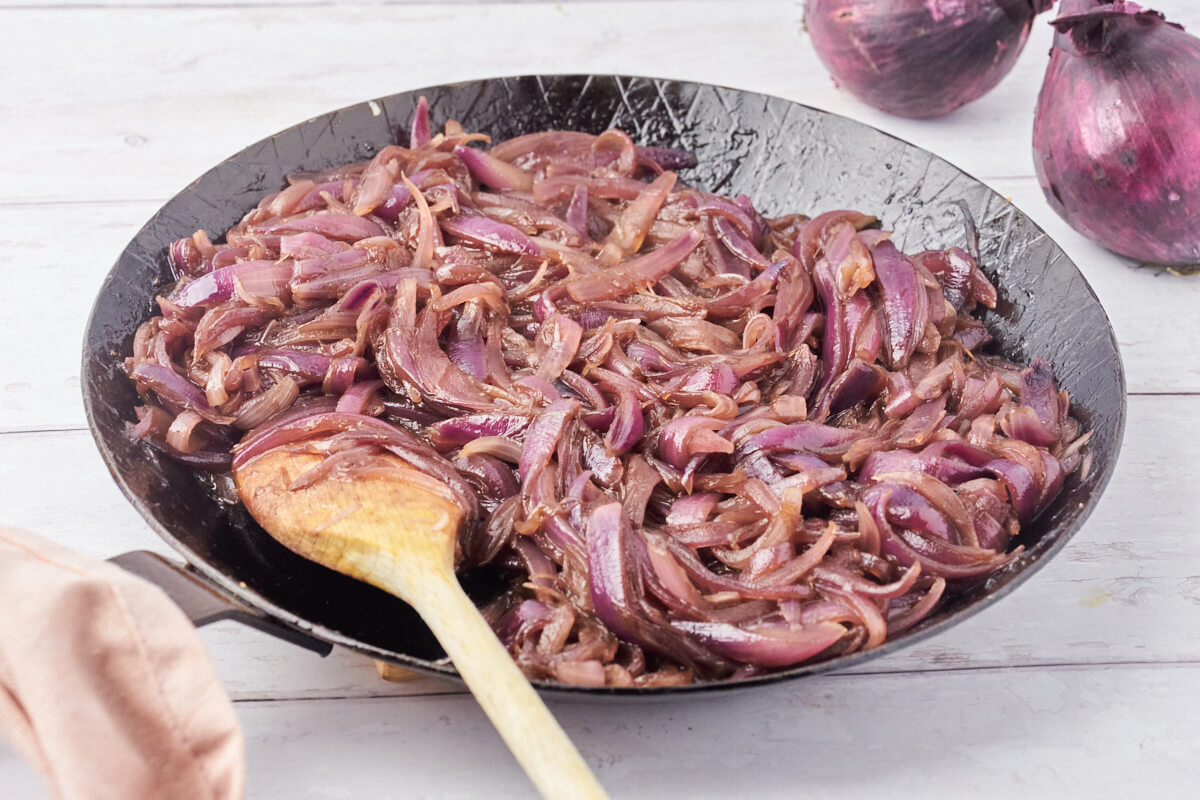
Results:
x,y
920,58
1116,140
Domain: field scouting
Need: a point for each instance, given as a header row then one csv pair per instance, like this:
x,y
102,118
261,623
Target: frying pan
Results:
x,y
784,155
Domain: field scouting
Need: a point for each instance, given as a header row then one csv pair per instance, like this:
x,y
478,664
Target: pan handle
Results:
x,y
202,603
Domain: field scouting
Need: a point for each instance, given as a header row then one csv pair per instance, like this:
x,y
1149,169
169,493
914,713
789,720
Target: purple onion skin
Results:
x,y
920,58
1116,139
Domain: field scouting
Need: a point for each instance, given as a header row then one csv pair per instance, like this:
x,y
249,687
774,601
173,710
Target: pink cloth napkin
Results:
x,y
105,686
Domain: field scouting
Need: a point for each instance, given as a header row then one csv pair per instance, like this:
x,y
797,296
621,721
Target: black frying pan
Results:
x,y
784,155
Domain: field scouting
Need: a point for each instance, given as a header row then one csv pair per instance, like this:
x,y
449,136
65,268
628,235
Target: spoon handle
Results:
x,y
532,734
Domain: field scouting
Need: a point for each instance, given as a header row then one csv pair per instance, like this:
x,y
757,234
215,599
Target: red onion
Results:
x,y
920,58
491,171
488,233
1116,140
419,131
686,461
344,227
771,645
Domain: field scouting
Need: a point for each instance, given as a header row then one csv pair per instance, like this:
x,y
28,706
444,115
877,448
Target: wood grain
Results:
x,y
183,87
1042,732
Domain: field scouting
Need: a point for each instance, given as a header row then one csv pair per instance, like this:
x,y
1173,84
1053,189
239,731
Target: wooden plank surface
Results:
x,y
1127,731
1082,684
183,87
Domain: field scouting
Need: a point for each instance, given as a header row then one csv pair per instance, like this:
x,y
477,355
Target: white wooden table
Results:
x,y
1085,683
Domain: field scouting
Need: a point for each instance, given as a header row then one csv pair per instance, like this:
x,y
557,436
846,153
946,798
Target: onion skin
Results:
x,y
1116,141
920,58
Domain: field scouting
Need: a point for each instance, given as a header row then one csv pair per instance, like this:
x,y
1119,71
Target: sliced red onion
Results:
x,y
721,379
542,437
1023,490
491,476
615,150
556,344
356,399
492,235
316,197
634,223
942,497
270,403
919,427
905,304
303,424
577,211
852,265
344,227
859,383
629,276
411,355
739,245
617,589
172,387
491,171
219,285
849,581
944,467
765,645
953,268
310,367
546,190
808,437
301,246
683,438
1039,392
1022,422
716,207
206,459
460,430
584,389
980,396
944,559
376,180
919,610
908,509
628,423
342,261
692,509
499,447
400,196
735,302
185,258
182,436
545,391
680,593
419,131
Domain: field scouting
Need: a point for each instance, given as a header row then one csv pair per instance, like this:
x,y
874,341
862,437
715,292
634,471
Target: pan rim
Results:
x,y
1022,569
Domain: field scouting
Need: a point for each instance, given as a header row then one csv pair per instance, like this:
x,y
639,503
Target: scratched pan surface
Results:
x,y
784,155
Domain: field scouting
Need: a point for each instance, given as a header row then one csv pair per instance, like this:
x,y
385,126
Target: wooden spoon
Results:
x,y
396,529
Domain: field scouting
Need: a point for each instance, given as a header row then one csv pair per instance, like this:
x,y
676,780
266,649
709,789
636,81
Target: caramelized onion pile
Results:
x,y
699,443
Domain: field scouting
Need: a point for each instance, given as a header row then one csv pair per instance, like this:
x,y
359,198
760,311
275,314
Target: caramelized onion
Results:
x,y
696,443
